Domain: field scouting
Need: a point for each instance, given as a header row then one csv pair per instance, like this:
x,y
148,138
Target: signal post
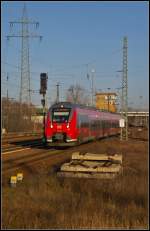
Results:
x,y
43,88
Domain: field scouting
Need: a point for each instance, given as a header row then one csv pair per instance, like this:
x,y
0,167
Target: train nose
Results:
x,y
59,137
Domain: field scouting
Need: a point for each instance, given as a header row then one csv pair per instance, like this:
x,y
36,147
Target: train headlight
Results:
x,y
51,126
68,125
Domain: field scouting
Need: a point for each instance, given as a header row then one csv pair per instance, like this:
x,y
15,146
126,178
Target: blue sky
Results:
x,y
76,34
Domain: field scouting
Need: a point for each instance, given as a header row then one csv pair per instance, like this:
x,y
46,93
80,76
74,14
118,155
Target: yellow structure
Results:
x,y
13,181
106,101
19,176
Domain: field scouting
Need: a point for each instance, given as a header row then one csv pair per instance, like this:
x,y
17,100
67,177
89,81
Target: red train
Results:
x,y
70,124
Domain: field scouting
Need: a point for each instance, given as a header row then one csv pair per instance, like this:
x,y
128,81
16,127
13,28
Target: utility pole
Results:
x,y
25,95
108,97
57,97
124,98
93,71
7,111
118,99
7,86
140,100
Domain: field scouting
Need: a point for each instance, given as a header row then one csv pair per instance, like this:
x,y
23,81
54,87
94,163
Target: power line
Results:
x,y
88,63
20,52
34,72
17,67
11,84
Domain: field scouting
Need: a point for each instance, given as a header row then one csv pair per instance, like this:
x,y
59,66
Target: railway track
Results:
x,y
22,161
12,148
30,157
15,134
9,140
35,155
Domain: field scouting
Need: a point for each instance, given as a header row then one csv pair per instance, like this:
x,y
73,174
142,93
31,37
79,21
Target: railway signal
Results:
x,y
44,79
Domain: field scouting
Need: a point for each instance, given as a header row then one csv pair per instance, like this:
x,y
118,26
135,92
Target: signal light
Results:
x,y
44,78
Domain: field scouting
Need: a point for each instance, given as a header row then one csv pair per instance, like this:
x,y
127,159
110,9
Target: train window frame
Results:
x,y
61,110
82,121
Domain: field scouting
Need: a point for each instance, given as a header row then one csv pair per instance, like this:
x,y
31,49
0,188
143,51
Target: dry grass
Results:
x,y
45,201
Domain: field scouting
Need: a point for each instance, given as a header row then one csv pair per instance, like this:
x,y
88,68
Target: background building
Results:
x,y
106,101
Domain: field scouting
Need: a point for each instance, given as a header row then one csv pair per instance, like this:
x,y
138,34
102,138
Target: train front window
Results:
x,y
60,115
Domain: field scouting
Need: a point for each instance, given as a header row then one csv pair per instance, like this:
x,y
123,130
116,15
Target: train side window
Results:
x,y
86,121
83,121
116,124
100,124
103,123
92,125
106,124
79,121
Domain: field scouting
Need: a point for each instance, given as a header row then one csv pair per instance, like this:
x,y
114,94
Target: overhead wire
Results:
x,y
58,74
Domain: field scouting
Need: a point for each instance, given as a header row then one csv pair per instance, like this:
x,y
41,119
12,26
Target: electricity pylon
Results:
x,y
25,91
124,98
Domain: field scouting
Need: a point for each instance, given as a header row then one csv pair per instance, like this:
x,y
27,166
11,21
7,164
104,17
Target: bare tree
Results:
x,y
16,117
77,94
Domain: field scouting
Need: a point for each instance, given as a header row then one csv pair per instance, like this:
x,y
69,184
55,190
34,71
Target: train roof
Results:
x,y
72,105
